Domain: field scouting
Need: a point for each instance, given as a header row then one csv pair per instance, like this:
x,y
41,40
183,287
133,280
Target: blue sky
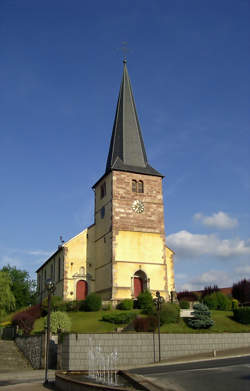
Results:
x,y
60,72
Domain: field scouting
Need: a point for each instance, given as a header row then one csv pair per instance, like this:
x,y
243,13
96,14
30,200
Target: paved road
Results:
x,y
232,374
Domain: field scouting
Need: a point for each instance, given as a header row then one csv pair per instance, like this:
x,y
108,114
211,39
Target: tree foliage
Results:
x,y
208,290
22,286
58,321
241,291
7,299
201,317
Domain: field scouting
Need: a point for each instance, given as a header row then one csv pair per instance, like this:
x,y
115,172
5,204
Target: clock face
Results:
x,y
138,206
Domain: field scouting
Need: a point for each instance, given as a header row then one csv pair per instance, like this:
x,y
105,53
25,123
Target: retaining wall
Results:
x,y
141,348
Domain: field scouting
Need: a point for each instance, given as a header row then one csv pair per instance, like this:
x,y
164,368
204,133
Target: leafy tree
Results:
x,y
241,291
22,286
145,302
7,299
58,321
187,296
208,290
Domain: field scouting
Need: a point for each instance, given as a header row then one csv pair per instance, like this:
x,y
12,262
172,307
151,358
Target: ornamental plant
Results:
x,y
93,302
58,321
147,324
145,302
241,291
169,313
201,317
125,305
184,304
119,317
242,315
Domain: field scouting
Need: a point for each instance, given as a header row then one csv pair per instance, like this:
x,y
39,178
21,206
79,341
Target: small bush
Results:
x,y
147,324
56,304
58,321
119,317
235,304
93,302
145,302
125,305
202,317
242,315
184,305
211,301
169,313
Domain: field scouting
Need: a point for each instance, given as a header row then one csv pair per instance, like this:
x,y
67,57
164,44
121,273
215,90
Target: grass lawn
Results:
x,y
90,322
223,324
85,322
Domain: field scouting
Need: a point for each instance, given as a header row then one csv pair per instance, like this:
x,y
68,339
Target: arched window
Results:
x,y
134,186
140,187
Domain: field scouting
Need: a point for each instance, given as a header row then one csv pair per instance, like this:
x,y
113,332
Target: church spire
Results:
x,y
127,151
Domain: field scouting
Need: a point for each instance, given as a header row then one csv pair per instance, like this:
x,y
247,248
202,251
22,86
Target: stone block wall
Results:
x,y
32,348
141,348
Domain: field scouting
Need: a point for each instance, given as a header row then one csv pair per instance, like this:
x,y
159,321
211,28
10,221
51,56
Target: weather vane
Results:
x,y
125,50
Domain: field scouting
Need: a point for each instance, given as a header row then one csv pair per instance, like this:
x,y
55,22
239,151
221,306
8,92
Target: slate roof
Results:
x,y
127,151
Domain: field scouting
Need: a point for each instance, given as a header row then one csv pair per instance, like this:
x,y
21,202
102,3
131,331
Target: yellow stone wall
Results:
x,y
170,269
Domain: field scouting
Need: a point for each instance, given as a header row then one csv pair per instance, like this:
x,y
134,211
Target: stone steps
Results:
x,y
11,358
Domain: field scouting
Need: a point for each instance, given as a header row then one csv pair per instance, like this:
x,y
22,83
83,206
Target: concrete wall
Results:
x,y
137,349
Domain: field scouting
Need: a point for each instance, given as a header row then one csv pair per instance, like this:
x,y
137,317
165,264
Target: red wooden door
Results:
x,y
81,290
138,286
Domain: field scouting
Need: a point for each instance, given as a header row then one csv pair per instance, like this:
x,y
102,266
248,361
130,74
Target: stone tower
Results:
x,y
130,249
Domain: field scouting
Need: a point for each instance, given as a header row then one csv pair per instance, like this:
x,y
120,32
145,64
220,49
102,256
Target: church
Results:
x,y
124,251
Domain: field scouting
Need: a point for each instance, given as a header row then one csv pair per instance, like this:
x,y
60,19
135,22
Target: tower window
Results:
x,y
103,212
134,186
140,187
103,190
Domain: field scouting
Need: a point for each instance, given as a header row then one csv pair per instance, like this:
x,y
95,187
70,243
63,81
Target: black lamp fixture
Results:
x,y
158,302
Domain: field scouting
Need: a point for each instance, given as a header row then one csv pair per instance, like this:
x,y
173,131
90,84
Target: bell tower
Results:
x,y
130,249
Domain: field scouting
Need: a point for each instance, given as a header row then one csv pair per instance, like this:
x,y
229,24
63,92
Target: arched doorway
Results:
x,y
81,290
140,282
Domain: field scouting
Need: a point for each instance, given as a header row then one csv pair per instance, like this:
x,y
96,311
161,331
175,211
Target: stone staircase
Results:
x,y
11,359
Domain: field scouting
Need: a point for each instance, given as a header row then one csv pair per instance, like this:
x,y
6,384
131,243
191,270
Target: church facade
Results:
x,y
124,252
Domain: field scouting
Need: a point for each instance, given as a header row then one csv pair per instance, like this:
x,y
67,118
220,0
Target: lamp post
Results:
x,y
50,286
158,301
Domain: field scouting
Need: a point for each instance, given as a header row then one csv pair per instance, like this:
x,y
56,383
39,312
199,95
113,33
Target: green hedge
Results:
x,y
119,317
125,305
184,305
242,315
93,302
169,313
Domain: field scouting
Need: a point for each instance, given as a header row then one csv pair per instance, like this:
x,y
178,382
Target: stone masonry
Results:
x,y
140,348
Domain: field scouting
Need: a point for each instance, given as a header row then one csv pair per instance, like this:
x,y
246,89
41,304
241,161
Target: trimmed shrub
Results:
x,y
93,302
202,317
187,296
184,304
125,305
58,321
242,315
119,317
241,291
145,302
147,324
56,304
235,304
169,313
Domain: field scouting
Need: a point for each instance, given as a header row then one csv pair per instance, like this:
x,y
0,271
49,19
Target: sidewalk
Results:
x,y
32,380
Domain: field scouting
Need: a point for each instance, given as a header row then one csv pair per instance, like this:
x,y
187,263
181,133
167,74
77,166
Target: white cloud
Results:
x,y
185,244
211,277
219,220
243,270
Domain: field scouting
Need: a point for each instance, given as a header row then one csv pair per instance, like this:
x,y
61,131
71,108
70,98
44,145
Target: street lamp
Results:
x,y
50,286
158,301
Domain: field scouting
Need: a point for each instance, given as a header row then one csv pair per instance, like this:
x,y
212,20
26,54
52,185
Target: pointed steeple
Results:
x,y
127,151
